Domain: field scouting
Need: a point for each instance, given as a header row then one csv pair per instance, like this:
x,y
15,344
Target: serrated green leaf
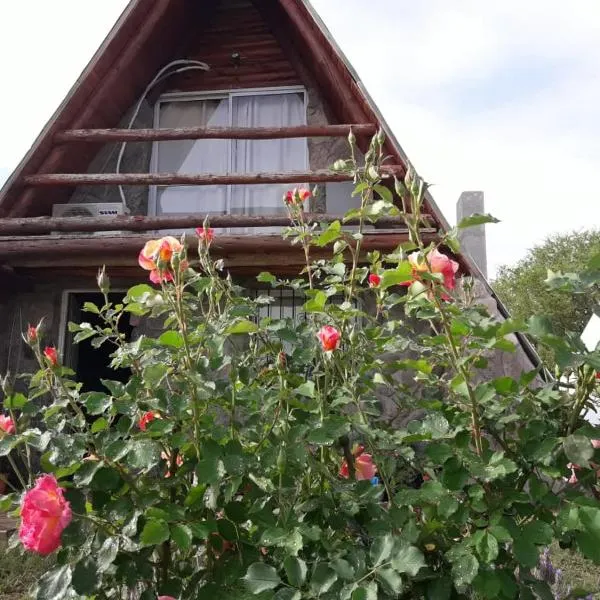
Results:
x,y
526,552
295,570
322,579
579,449
476,219
307,389
381,549
182,536
172,339
55,584
464,569
155,532
85,577
402,274
408,559
107,553
260,578
242,327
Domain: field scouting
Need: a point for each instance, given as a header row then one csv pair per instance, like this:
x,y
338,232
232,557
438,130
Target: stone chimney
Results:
x,y
472,240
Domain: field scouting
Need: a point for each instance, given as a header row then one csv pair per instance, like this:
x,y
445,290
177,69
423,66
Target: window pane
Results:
x,y
258,156
193,156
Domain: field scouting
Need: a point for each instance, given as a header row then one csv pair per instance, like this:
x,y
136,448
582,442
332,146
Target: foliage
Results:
x,y
523,286
249,469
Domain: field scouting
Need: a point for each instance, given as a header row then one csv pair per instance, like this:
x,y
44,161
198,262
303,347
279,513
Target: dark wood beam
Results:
x,y
122,249
44,225
216,133
164,179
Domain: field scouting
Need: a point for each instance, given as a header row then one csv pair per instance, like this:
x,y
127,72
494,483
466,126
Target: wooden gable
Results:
x,y
247,44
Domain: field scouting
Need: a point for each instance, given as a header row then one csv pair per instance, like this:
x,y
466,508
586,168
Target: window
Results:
x,y
273,108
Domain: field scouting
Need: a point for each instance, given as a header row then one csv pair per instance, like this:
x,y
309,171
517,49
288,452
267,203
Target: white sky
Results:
x,y
499,96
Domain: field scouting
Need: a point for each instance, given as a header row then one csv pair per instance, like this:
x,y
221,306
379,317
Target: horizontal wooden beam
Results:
x,y
44,225
19,251
212,133
165,179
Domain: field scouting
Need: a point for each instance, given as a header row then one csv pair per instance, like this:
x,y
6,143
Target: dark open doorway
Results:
x,y
90,364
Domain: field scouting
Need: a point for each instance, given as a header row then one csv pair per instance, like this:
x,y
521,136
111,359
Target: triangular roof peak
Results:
x,y
149,34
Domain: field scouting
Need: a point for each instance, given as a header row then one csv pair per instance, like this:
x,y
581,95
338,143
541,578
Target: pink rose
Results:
x,y
596,443
364,468
162,250
436,262
44,515
51,355
7,425
329,337
374,280
297,196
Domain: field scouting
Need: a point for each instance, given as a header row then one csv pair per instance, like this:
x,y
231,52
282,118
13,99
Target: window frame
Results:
x,y
228,94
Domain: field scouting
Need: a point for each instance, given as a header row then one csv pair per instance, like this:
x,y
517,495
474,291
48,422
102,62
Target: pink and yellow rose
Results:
x,y
156,257
44,515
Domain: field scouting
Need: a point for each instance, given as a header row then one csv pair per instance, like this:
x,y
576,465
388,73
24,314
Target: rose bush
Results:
x,y
255,456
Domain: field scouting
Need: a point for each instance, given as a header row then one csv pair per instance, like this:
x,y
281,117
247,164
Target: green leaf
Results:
x,y
241,327
343,568
143,454
476,219
317,303
464,569
107,553
408,559
487,548
55,584
579,449
295,570
381,549
96,402
402,274
85,577
539,532
260,578
307,389
182,536
500,533
266,277
322,579
526,552
173,339
447,506
155,532
287,594
331,234
99,425
390,580
367,591
329,431
15,402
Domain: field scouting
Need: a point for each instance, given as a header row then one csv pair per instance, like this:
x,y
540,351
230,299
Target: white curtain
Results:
x,y
260,156
193,156
235,156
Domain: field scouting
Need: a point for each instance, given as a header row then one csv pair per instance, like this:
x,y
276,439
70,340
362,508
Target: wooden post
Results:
x,y
215,133
164,179
45,225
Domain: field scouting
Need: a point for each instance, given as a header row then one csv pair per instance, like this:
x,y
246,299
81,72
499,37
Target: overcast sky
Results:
x,y
498,96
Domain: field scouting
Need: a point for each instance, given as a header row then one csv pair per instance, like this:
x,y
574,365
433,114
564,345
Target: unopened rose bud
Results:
x,y
281,360
103,280
380,137
351,137
32,334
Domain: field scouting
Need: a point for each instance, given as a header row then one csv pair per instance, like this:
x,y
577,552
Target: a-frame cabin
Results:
x,y
189,107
